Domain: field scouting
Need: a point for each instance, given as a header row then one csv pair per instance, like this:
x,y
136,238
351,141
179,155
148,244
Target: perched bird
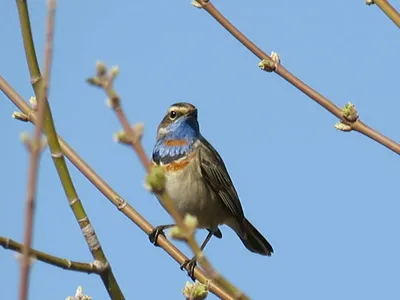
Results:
x,y
198,181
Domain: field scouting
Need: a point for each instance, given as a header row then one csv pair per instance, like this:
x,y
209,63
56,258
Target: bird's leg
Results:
x,y
190,264
153,236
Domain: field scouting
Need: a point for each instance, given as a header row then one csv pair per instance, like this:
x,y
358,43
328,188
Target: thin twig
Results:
x,y
35,151
56,261
275,66
57,154
105,80
120,203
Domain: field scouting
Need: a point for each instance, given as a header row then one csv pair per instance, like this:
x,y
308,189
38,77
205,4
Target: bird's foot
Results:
x,y
153,236
189,265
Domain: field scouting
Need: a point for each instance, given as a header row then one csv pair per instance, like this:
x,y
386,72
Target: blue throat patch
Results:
x,y
178,141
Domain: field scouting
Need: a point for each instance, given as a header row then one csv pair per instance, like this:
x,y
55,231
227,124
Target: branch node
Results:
x,y
83,220
101,266
20,257
343,126
31,144
20,116
104,80
190,222
113,101
79,295
177,233
73,201
114,71
43,143
267,65
96,81
183,234
35,79
197,4
349,112
57,155
33,102
121,203
101,69
69,263
26,140
123,138
155,180
275,57
195,291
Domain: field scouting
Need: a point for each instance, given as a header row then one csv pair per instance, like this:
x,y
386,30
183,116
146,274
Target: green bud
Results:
x,y
350,112
101,68
195,291
155,180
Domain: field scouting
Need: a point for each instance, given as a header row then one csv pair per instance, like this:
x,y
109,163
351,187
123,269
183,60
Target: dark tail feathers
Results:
x,y
254,241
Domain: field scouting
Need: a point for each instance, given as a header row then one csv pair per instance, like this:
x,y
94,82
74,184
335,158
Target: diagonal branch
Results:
x,y
270,64
57,154
389,10
109,193
35,150
56,261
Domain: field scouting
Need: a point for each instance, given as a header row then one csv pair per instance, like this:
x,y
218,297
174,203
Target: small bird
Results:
x,y
198,181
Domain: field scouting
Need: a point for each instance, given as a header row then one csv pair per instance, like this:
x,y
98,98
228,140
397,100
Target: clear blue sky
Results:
x,y
326,200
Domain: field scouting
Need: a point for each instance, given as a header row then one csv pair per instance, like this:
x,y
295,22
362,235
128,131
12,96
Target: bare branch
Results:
x,y
389,10
59,262
356,125
39,85
35,151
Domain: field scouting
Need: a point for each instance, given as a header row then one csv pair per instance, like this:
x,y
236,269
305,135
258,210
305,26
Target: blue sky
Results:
x,y
326,200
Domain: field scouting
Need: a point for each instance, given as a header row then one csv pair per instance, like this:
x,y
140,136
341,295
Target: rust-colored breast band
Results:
x,y
180,164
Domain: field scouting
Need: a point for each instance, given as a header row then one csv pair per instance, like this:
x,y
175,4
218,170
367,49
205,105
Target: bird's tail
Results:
x,y
253,239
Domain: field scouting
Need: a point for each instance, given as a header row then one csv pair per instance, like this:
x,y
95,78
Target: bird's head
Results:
x,y
180,122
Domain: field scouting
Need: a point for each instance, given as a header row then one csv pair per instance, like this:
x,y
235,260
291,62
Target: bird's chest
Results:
x,y
191,195
185,184
188,189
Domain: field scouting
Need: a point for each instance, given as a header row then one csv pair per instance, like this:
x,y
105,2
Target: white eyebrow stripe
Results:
x,y
183,110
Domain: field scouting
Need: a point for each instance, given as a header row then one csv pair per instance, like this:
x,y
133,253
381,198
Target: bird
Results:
x,y
198,181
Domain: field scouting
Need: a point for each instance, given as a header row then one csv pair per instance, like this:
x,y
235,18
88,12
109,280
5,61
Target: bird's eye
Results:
x,y
172,115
